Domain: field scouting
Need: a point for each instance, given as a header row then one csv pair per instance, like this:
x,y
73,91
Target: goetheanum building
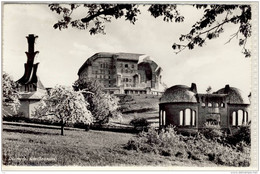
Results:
x,y
123,73
189,111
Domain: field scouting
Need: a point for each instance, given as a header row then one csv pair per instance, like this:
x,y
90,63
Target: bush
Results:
x,y
169,143
140,124
212,132
242,135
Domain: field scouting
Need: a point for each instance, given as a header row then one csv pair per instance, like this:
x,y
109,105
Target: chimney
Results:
x,y
227,88
31,40
193,88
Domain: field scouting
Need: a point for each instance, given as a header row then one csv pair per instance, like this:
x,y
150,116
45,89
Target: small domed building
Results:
x,y
189,111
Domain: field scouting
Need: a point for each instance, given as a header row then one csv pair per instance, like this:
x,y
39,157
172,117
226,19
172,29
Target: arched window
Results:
x,y
161,117
234,118
203,104
209,105
245,117
164,118
240,117
216,105
222,105
193,118
181,118
187,118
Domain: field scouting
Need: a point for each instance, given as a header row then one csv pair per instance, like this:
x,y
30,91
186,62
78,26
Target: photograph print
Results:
x,y
130,85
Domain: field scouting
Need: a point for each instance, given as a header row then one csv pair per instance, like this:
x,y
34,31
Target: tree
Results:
x,y
64,105
102,106
209,90
10,93
210,26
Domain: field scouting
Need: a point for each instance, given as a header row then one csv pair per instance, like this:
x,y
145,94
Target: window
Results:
x,y
246,117
133,66
216,105
101,65
193,118
187,117
126,71
203,104
209,105
181,118
240,117
222,105
126,79
126,65
234,118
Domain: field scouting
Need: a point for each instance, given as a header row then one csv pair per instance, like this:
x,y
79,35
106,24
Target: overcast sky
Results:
x,y
63,52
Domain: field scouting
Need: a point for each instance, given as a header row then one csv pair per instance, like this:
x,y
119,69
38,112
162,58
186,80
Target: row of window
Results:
x,y
103,77
127,71
187,117
102,71
127,80
216,105
126,65
105,65
239,118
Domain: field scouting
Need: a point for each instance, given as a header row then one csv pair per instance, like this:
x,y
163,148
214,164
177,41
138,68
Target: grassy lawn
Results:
x,y
38,146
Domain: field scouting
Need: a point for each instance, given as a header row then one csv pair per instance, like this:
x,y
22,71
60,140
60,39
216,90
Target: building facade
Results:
x,y
189,111
31,89
123,73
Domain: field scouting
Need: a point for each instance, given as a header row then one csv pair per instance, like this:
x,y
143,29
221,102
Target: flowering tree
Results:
x,y
102,106
10,93
65,105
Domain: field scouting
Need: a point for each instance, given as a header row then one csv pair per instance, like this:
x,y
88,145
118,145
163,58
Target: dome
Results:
x,y
178,93
235,95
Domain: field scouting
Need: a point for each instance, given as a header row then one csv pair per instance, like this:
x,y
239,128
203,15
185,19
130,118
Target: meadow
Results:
x,y
27,146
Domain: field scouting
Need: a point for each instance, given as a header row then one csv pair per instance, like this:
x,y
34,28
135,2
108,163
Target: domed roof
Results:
x,y
178,93
235,95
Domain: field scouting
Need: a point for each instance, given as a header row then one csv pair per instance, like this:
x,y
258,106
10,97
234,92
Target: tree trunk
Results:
x,y
62,129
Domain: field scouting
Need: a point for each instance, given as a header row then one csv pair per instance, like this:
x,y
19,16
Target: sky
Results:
x,y
63,52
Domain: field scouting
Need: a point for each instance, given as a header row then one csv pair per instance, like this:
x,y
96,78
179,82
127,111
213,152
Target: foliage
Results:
x,y
10,92
169,143
140,123
209,90
64,105
243,134
212,132
210,26
102,106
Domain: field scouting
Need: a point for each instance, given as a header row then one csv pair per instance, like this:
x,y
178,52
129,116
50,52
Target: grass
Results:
x,y
46,147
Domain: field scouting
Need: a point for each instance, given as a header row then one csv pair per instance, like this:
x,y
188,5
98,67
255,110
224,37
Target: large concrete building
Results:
x,y
30,87
188,110
123,73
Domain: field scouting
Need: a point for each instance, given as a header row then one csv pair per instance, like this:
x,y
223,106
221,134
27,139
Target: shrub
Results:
x,y
243,134
169,143
140,124
212,132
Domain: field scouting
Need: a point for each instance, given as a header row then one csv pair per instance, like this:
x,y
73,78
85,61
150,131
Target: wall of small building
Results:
x,y
24,108
172,111
205,113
